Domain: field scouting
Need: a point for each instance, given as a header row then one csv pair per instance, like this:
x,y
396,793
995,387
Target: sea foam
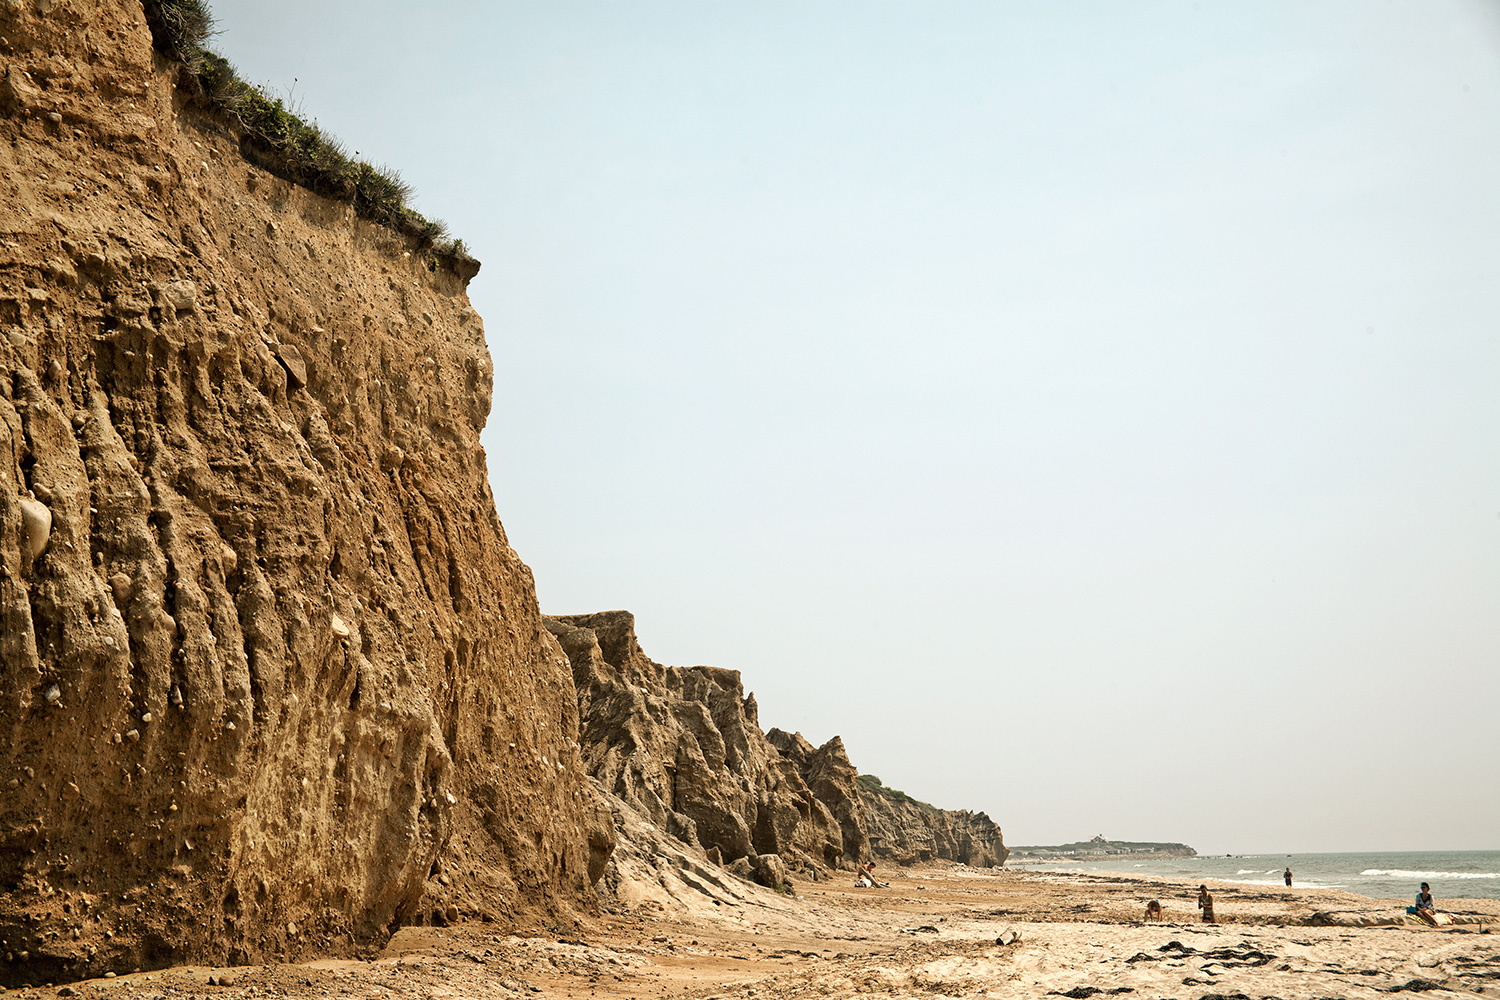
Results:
x,y
1400,873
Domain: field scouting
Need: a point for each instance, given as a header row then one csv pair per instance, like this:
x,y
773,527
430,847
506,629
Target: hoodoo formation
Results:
x,y
272,681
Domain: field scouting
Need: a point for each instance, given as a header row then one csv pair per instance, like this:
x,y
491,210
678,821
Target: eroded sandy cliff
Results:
x,y
903,830
683,747
271,679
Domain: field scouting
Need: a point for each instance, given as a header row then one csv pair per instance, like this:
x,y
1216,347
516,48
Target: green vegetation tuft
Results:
x,y
283,142
873,784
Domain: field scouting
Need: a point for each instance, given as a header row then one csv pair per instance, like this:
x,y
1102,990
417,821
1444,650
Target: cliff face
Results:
x,y
833,781
272,681
683,747
904,830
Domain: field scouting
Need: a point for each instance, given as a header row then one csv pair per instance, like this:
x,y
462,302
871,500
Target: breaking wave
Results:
x,y
1400,873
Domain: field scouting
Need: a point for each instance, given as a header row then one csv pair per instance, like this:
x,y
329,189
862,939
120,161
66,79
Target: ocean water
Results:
x,y
1452,874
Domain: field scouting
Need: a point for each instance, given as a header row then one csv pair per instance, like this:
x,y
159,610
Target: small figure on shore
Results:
x,y
1153,911
1288,875
868,871
1206,904
1426,908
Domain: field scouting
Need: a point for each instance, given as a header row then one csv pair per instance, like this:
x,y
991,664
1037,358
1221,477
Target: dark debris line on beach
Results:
x,y
1245,956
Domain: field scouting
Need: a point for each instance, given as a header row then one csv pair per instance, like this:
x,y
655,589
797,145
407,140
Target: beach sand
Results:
x,y
936,931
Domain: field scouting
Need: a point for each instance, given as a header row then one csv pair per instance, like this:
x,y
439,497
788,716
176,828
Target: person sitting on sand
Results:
x,y
868,871
1288,876
1206,904
1426,908
1153,911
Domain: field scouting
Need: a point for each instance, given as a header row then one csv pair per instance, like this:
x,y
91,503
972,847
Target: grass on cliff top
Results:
x,y
872,783
285,143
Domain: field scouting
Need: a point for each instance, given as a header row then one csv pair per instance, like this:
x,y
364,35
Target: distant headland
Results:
x,y
1098,846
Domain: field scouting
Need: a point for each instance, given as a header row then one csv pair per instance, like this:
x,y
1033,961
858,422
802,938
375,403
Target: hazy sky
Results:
x,y
1090,411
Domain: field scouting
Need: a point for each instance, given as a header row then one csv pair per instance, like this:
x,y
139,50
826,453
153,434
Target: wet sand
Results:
x,y
942,930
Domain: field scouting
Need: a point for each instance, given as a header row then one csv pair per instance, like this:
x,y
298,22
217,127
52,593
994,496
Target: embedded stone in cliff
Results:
x,y
16,91
122,585
36,526
291,360
179,296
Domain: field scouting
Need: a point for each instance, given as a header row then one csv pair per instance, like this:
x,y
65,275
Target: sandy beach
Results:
x,y
940,930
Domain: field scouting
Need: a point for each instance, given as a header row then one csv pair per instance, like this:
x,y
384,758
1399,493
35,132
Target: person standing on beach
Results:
x,y
1206,904
1288,874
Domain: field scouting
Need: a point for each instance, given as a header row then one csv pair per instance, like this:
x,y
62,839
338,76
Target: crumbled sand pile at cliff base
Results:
x,y
936,932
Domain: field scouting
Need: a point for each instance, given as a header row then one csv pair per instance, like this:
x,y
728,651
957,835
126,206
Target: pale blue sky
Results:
x,y
1089,411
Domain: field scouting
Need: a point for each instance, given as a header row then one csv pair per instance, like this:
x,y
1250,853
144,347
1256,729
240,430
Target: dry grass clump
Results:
x,y
281,141
180,29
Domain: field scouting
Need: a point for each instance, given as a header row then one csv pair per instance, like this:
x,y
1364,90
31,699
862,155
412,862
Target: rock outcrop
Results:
x,y
903,830
833,781
683,747
272,681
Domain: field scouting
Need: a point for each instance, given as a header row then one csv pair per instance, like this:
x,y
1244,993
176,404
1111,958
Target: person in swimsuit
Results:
x,y
1153,911
1288,875
1206,904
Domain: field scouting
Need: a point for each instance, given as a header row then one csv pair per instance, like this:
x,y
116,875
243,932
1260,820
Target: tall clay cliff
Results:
x,y
272,681
683,747
904,830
